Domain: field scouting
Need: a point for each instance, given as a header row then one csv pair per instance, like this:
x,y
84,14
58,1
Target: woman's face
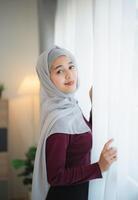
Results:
x,y
64,74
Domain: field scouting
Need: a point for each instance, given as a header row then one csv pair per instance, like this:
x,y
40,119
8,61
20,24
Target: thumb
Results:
x,y
107,144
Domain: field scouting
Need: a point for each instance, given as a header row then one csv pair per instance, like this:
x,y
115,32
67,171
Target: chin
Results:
x,y
69,90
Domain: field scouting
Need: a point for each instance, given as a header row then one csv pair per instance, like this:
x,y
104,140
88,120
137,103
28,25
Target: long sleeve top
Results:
x,y
68,158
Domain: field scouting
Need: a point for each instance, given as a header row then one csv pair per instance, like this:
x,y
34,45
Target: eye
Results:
x,y
59,71
71,67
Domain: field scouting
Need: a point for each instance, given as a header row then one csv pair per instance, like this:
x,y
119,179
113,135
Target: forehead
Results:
x,y
60,60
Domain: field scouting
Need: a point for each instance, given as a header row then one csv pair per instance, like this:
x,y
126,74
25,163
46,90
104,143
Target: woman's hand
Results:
x,y
107,157
90,93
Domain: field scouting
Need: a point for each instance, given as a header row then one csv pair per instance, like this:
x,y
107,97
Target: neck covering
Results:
x,y
60,113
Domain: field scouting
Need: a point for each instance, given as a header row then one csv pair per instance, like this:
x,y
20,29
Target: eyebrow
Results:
x,y
58,66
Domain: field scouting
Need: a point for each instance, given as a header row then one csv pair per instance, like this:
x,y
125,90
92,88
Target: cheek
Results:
x,y
57,80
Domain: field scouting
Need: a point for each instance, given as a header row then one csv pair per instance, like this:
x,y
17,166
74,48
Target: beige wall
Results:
x,y
19,49
18,42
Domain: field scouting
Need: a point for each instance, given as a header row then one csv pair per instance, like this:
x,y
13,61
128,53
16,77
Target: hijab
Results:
x,y
60,113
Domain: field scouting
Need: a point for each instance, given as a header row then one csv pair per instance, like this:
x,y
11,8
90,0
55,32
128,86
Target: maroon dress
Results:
x,y
68,165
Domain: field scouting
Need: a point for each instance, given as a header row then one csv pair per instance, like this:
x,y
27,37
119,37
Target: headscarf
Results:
x,y
60,113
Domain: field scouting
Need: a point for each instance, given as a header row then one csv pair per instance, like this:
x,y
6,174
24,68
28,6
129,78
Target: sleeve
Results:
x,y
57,173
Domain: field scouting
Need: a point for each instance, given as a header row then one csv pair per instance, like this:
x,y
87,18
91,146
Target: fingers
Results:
x,y
107,144
108,156
113,159
110,153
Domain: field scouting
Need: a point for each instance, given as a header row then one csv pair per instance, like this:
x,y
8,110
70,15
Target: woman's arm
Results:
x,y
57,172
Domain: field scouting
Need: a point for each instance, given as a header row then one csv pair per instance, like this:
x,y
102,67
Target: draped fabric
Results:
x,y
114,39
105,31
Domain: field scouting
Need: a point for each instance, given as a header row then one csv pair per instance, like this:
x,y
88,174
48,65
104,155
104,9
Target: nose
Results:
x,y
68,75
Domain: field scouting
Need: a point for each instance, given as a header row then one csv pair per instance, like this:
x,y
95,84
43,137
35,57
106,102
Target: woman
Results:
x,y
63,166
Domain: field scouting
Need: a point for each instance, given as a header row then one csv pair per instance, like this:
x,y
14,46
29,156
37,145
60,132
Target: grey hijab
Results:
x,y
60,113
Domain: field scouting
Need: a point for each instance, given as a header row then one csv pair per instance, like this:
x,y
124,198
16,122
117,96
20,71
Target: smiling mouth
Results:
x,y
69,83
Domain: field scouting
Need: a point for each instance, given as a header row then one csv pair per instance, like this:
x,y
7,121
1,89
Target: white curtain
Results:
x,y
102,34
113,109
74,31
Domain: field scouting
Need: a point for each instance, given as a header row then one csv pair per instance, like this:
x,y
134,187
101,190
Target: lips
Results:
x,y
70,83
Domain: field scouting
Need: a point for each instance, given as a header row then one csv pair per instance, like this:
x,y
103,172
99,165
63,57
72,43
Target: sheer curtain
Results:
x,y
102,35
74,31
113,109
